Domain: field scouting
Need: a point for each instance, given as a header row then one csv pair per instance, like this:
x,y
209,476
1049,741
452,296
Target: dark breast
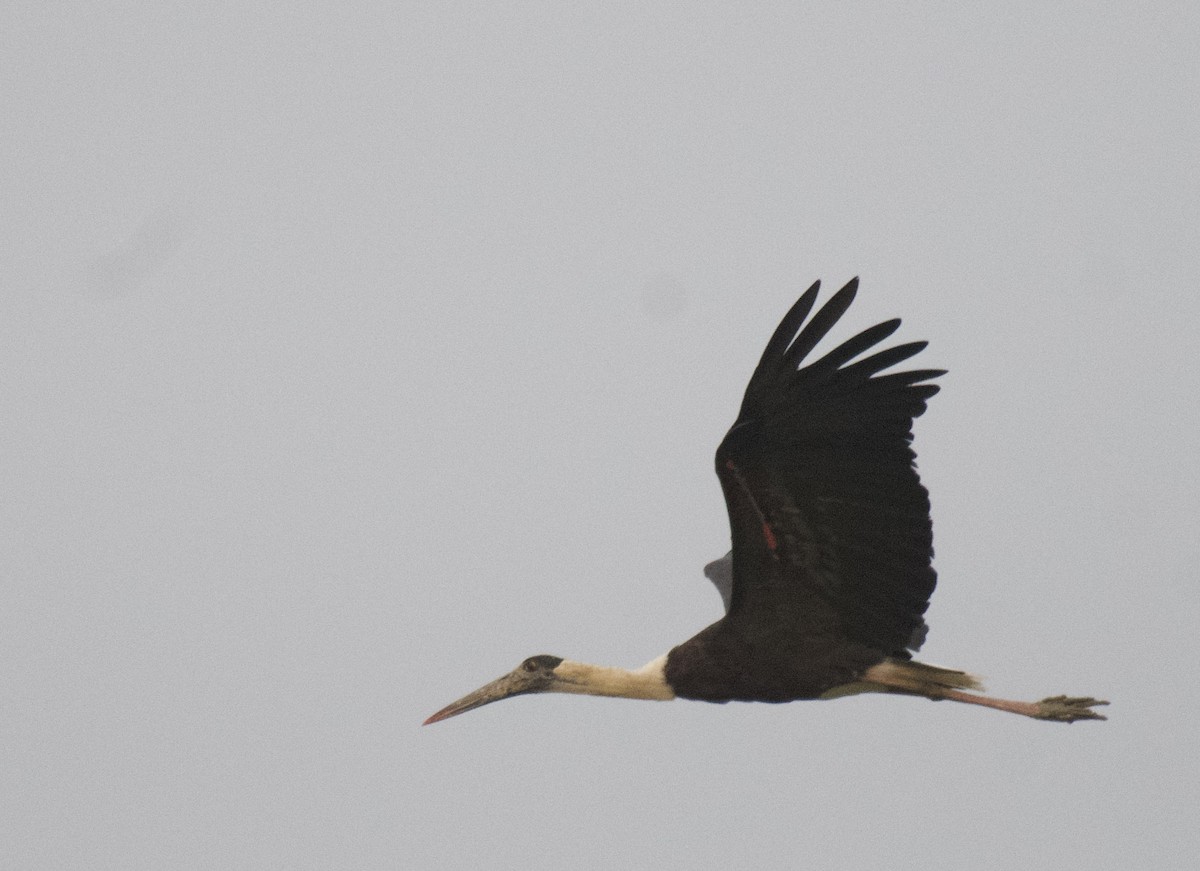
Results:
x,y
765,663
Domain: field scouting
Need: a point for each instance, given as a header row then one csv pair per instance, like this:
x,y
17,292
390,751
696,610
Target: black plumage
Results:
x,y
830,570
832,541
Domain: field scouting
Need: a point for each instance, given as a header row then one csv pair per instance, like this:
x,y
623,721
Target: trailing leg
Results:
x,y
932,682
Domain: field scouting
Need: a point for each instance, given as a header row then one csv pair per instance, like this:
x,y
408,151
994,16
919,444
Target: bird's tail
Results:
x,y
907,675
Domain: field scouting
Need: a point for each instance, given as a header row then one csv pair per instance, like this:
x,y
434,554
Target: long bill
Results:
x,y
501,688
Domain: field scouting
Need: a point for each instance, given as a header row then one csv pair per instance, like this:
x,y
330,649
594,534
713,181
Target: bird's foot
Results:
x,y
1068,709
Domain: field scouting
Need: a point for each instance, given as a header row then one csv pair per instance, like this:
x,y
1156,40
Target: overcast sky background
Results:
x,y
352,353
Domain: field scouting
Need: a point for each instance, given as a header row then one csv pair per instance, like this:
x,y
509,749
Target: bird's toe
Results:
x,y
1068,709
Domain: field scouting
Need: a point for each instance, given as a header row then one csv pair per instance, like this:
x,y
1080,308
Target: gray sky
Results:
x,y
354,352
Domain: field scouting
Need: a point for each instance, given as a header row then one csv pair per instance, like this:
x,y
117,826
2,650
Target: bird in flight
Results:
x,y
830,569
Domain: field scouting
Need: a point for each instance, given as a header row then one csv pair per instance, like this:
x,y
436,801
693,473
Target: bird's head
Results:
x,y
534,675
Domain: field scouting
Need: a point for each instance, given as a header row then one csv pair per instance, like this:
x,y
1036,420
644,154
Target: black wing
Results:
x,y
825,507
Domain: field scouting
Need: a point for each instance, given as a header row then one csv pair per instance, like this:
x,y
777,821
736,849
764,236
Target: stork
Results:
x,y
830,570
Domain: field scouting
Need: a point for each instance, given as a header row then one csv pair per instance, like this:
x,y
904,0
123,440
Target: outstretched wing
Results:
x,y
826,511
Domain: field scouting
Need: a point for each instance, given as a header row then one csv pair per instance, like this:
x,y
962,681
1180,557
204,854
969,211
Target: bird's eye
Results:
x,y
530,665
